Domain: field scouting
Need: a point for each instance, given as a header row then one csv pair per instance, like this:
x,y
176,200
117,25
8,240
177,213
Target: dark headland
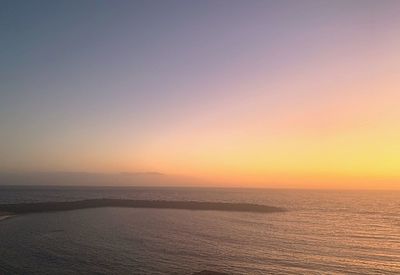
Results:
x,y
23,208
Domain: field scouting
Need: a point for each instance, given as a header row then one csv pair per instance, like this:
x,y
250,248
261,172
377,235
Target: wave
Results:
x,y
22,208
3,217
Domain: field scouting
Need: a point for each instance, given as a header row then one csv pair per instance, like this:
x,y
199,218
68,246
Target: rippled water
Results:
x,y
324,232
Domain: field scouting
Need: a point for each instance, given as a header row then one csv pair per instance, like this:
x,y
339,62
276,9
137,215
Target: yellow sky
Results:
x,y
266,94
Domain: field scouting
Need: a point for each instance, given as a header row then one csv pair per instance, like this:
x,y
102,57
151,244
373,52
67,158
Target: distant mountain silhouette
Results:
x,y
208,272
146,178
142,173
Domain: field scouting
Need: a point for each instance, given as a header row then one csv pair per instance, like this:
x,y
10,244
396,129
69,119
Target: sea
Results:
x,y
322,232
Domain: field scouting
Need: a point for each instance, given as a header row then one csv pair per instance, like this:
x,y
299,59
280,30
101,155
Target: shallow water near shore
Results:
x,y
323,232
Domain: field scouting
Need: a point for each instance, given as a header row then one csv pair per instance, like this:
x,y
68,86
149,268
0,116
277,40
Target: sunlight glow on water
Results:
x,y
325,232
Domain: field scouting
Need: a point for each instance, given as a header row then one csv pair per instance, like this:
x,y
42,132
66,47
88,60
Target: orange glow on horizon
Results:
x,y
309,99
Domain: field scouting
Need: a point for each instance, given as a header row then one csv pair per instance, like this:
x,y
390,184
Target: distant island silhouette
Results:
x,y
24,208
209,272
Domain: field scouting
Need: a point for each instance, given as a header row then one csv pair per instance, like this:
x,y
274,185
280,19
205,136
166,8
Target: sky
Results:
x,y
226,93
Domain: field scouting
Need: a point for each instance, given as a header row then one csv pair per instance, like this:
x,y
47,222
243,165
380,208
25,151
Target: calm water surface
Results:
x,y
324,232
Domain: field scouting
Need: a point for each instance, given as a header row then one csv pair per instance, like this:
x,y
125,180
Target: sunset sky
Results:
x,y
228,93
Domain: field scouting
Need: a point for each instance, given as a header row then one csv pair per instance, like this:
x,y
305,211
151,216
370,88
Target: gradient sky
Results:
x,y
232,93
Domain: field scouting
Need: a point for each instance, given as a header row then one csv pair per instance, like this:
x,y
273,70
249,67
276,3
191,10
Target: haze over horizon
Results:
x,y
226,93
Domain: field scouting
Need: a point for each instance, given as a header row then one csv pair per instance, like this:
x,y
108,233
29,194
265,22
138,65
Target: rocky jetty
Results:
x,y
22,208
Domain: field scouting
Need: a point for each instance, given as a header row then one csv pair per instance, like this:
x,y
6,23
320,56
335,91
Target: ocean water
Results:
x,y
323,232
